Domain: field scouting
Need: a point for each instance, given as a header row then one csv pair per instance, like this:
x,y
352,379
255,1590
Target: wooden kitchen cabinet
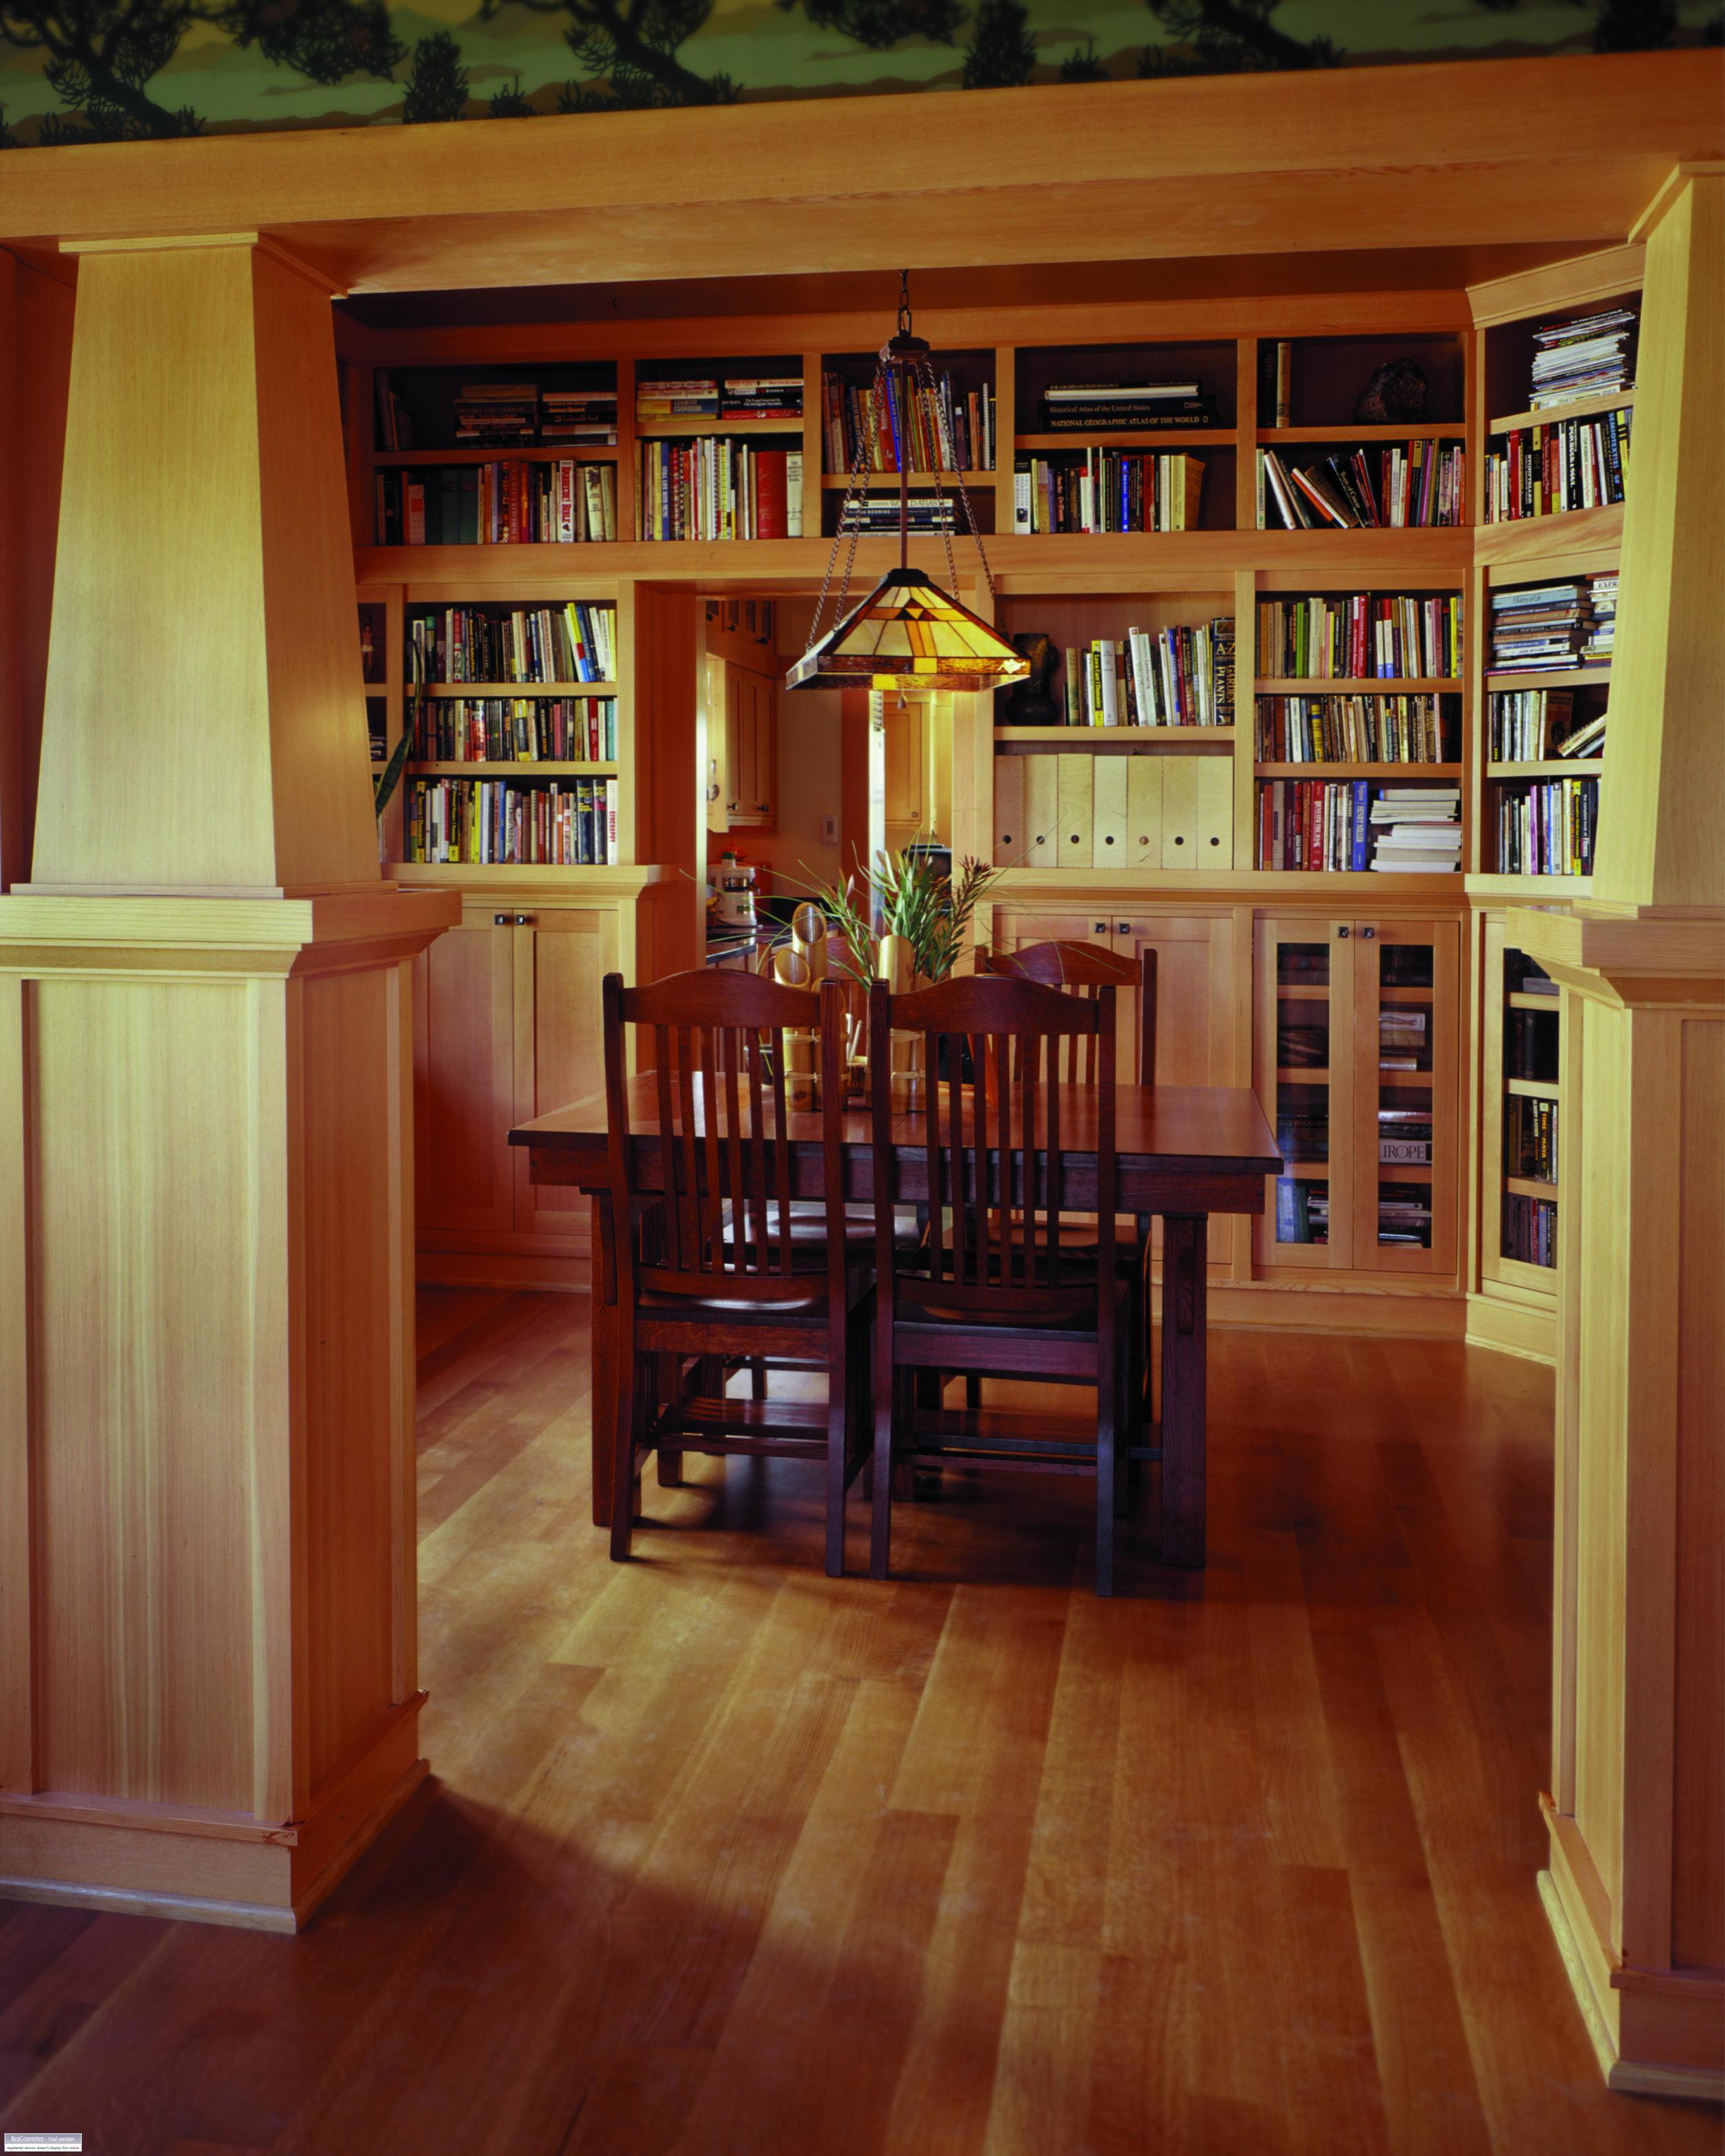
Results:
x,y
748,770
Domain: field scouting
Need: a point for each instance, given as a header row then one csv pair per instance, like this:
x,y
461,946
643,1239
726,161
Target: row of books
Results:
x,y
1358,635
1562,464
1548,827
1545,628
570,823
1107,490
1404,1038
1588,355
1096,406
1302,1210
1530,1045
1530,1139
1424,484
1335,825
898,436
497,505
1276,382
1528,724
722,397
1530,1229
715,488
1358,729
571,642
1302,1127
1182,677
515,729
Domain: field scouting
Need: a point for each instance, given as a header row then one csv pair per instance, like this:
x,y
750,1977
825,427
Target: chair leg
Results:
x,y
973,1390
670,1460
841,1401
1132,1423
886,1396
1107,1417
624,1478
757,1381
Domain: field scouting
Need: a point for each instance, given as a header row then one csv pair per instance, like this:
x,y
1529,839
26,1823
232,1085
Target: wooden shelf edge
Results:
x,y
592,453
544,768
1318,685
1558,677
1316,769
1489,884
489,692
1436,430
1582,407
1583,767
619,879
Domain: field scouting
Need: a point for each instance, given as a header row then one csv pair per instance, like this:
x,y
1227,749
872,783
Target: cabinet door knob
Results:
x,y
1341,930
524,920
1124,928
1101,928
500,921
1369,933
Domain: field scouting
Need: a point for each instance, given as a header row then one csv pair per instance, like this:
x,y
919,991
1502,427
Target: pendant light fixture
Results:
x,y
907,634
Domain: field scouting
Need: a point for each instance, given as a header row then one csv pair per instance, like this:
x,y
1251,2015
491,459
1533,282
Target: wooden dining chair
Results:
x,y
1085,969
990,1289
1082,969
709,1267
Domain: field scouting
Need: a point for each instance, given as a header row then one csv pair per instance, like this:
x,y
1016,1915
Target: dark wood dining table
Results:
x,y
1184,1151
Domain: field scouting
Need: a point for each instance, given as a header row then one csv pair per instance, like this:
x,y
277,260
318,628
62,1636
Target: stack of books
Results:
x,y
514,729
1404,1137
577,415
1425,484
1589,356
761,396
713,488
1107,490
1548,828
901,437
570,823
1559,464
1602,634
1094,408
574,642
1361,635
496,414
1418,830
1404,1215
1182,677
696,396
1302,1131
1403,1033
1540,630
879,512
1358,729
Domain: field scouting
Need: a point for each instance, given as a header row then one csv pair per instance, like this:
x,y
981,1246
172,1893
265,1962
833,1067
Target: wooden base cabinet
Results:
x,y
1358,1066
506,1026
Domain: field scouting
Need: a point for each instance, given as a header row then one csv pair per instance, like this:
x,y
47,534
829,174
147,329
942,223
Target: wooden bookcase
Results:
x,y
1124,834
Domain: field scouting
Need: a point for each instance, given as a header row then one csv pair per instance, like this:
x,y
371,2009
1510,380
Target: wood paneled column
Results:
x,y
208,1693
1636,1809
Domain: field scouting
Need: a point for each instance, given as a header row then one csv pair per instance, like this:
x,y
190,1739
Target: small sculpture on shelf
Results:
x,y
1028,702
1395,394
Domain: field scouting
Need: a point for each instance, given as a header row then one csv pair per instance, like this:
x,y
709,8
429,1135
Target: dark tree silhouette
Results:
x,y
101,55
437,82
628,48
1084,65
508,103
8,140
1229,36
1001,52
1619,26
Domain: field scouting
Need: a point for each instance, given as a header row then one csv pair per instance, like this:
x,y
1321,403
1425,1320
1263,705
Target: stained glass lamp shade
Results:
x,y
909,634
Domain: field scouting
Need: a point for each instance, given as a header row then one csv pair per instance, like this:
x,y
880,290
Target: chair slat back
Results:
x,y
721,1202
1082,969
993,1051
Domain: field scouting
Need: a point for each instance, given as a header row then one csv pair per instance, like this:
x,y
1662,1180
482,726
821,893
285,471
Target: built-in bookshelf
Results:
x,y
1560,397
1528,1167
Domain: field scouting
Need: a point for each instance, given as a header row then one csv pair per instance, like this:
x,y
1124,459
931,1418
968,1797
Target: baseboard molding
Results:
x,y
1513,1328
1602,2037
140,1859
1262,1307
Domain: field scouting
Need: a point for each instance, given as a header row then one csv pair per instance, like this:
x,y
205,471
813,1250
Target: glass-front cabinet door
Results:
x,y
1406,1067
1305,1077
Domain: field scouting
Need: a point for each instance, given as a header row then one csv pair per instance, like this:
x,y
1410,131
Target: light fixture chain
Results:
x,y
853,492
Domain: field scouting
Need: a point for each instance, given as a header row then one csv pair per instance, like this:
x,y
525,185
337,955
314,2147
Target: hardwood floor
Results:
x,y
727,1859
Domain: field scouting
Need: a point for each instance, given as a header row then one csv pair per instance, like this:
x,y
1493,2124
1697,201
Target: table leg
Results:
x,y
1184,1240
603,1392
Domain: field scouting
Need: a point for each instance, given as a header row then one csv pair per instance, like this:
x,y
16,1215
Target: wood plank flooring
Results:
x,y
726,1859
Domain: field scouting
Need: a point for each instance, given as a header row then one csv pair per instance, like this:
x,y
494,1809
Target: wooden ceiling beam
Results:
x,y
1569,148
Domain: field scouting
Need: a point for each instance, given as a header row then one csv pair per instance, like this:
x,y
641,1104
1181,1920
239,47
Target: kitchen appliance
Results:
x,y
735,883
